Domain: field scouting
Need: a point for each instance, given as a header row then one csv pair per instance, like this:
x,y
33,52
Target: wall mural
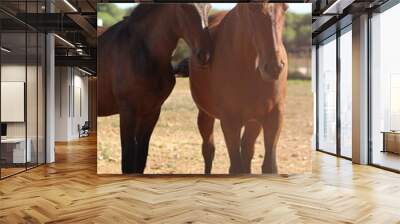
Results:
x,y
202,88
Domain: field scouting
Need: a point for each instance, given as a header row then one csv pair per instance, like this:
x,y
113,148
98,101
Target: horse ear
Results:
x,y
285,6
203,6
208,7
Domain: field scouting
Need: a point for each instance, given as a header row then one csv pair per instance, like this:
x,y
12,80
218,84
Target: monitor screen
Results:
x,y
3,129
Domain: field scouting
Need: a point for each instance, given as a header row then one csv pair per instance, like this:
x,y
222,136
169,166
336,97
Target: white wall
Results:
x,y
15,73
62,81
71,94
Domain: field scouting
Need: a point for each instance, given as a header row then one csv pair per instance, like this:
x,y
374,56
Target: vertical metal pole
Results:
x,y
0,95
338,80
360,90
37,90
50,92
317,97
26,86
369,89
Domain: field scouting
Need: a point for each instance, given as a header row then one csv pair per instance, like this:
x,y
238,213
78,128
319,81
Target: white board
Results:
x,y
12,101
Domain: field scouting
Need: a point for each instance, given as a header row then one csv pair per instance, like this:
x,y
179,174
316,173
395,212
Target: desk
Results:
x,y
391,141
13,150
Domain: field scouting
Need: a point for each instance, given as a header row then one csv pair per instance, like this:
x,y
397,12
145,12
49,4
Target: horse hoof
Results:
x,y
235,171
269,170
207,172
132,171
246,170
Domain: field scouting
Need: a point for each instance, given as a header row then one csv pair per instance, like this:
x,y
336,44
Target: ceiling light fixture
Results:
x,y
333,6
70,5
65,41
84,71
5,50
337,7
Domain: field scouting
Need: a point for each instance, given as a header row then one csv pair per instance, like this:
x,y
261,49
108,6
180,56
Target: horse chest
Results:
x,y
252,101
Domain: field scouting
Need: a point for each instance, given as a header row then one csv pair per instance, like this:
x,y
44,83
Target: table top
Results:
x,y
391,132
13,140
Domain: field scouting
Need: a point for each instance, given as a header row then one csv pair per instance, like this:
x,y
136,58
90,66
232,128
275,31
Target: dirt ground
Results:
x,y
175,147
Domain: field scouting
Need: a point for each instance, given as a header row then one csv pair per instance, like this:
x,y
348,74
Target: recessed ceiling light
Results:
x,y
84,71
64,40
5,50
337,7
70,5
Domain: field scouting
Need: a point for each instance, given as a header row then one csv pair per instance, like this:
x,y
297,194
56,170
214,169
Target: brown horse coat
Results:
x,y
238,88
135,75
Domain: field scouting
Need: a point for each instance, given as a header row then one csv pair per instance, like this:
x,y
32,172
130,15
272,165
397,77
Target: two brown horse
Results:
x,y
135,75
244,84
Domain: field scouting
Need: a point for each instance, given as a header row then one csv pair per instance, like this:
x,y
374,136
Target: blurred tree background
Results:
x,y
297,38
109,14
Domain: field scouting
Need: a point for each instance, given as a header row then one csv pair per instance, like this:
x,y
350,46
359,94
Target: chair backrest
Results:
x,y
86,125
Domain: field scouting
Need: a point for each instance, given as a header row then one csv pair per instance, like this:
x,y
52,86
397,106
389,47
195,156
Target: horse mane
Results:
x,y
125,34
143,10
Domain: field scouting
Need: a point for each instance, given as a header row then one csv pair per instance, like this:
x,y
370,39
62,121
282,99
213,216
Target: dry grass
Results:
x,y
176,144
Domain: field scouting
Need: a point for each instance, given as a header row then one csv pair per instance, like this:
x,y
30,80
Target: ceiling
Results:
x,y
74,22
330,13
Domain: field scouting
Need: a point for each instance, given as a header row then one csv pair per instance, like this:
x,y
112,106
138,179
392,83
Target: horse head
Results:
x,y
192,26
266,22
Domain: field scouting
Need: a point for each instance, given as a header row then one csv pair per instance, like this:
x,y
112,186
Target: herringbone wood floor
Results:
x,y
70,191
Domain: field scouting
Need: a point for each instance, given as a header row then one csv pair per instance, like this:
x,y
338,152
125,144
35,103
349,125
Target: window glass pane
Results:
x,y
327,96
346,94
31,97
23,89
385,86
41,98
14,153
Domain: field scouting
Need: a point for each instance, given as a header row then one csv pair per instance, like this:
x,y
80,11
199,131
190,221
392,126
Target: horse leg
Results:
x,y
272,127
231,130
128,124
251,132
143,135
205,124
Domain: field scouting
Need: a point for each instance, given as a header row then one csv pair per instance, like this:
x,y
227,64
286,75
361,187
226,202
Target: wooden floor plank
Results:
x,y
70,191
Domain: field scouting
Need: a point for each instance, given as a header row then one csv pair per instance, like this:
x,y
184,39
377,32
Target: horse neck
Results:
x,y
159,37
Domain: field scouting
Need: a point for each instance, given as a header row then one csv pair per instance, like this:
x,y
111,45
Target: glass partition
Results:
x,y
41,107
385,89
23,90
346,93
32,96
14,153
327,95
